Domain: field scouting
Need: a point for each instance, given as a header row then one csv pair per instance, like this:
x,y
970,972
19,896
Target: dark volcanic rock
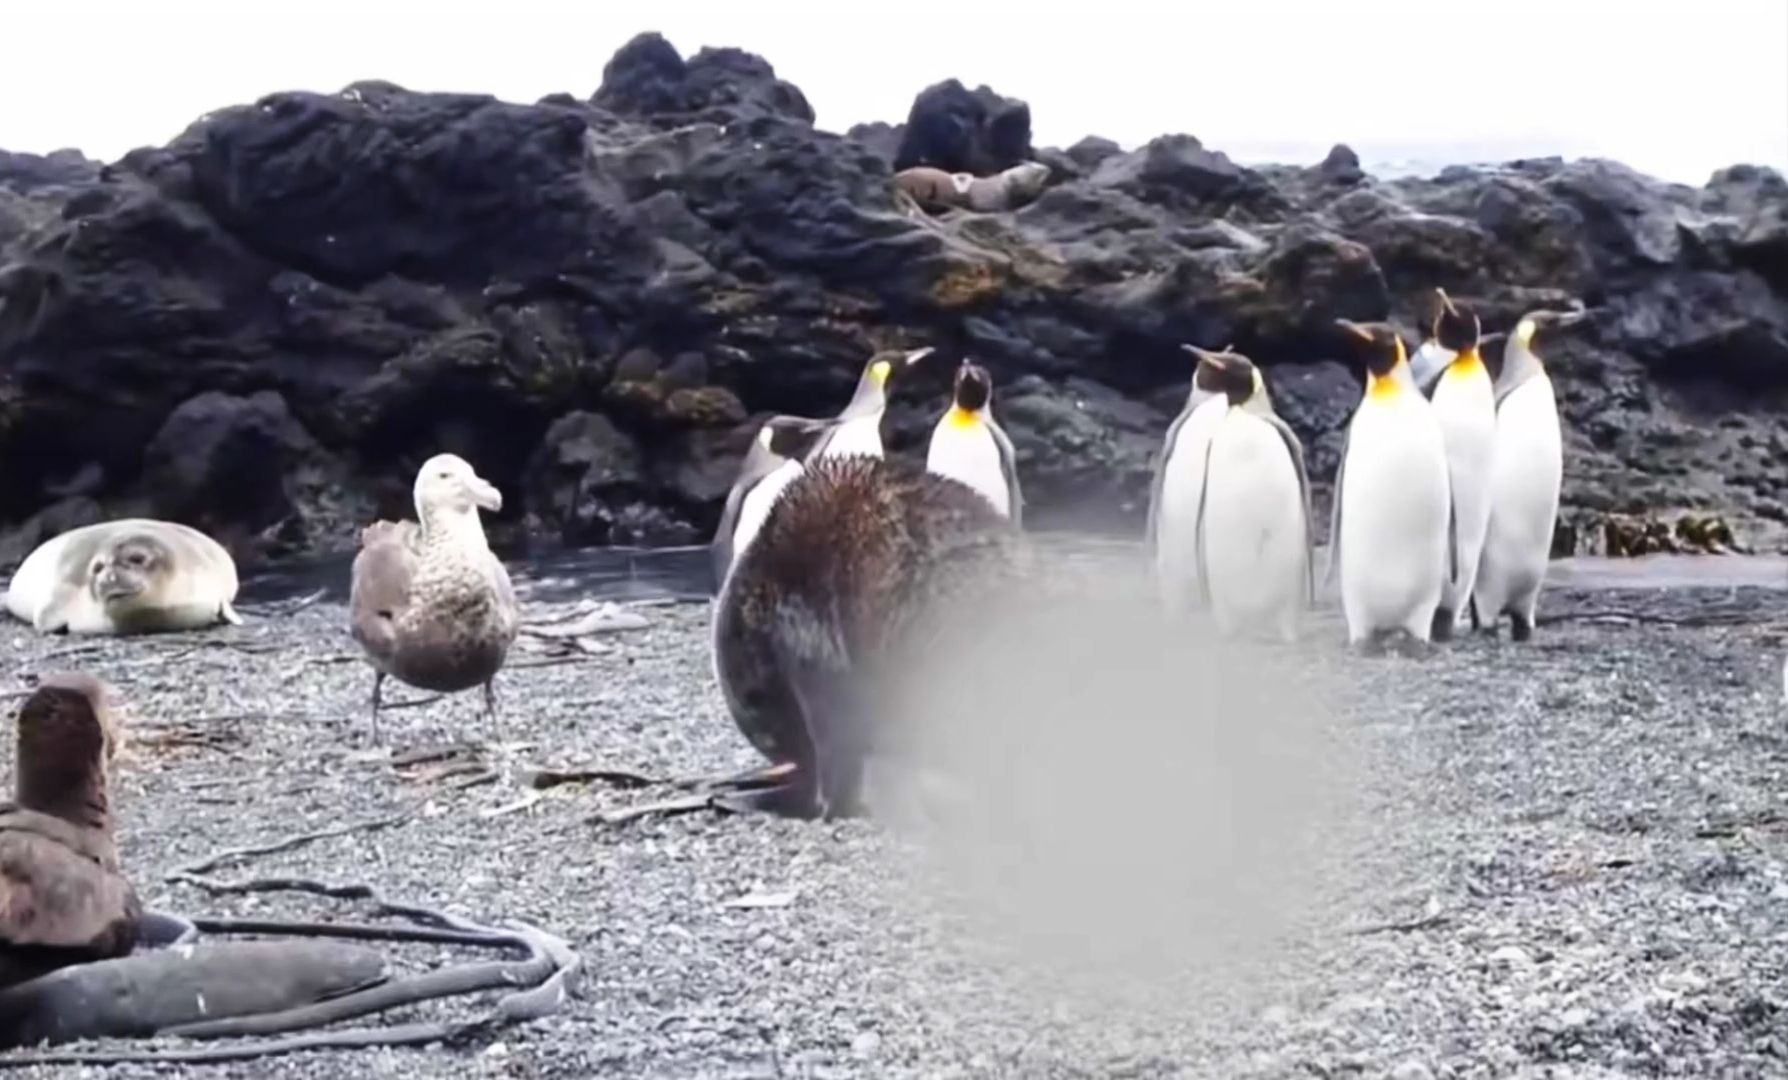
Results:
x,y
957,129
267,325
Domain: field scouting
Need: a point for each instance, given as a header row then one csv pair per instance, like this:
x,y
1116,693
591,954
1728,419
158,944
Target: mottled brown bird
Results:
x,y
63,899
430,604
860,565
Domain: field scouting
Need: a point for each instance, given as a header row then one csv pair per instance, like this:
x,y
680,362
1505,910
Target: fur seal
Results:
x,y
847,579
130,576
858,427
63,899
968,443
933,188
430,604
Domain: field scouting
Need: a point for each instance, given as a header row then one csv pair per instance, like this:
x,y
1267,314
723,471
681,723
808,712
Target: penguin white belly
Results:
x,y
967,453
756,506
1254,529
860,436
1176,520
1465,405
1393,518
1526,472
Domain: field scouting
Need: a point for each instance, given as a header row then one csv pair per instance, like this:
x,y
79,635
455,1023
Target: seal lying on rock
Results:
x,y
857,568
62,898
935,189
430,604
131,576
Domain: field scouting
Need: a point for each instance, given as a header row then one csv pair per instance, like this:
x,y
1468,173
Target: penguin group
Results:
x,y
1444,499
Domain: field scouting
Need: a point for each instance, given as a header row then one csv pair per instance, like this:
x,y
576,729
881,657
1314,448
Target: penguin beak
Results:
x,y
917,355
1446,302
1355,329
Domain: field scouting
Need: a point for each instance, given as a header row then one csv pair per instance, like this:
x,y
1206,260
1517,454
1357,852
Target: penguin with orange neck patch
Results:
x,y
969,445
1392,533
1465,404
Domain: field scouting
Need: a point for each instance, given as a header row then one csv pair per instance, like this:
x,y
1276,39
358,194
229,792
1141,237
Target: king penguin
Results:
x,y
1392,537
1175,494
1465,404
771,462
969,445
1254,532
1526,473
858,427
1432,356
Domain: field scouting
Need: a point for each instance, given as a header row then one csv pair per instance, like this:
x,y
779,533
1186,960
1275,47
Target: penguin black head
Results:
x,y
1229,373
1381,346
1208,375
790,436
1455,327
1532,322
974,387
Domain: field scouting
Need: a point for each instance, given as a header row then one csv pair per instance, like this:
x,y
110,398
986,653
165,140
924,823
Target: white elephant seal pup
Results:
x,y
431,605
131,576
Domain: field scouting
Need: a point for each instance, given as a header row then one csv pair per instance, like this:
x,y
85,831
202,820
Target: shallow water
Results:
x,y
635,573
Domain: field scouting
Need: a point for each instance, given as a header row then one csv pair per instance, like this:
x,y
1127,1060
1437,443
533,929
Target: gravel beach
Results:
x,y
1563,859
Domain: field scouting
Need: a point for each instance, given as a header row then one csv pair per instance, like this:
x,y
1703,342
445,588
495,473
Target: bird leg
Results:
x,y
377,703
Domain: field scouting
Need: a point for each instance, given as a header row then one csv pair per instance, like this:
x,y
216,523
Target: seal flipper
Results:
x,y
227,613
53,616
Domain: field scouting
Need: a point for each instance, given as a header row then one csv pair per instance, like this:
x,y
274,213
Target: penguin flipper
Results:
x,y
1204,483
1152,529
1009,469
1295,447
1453,559
1335,510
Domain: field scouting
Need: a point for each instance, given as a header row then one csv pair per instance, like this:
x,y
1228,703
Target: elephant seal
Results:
x,y
1008,190
63,899
130,576
430,604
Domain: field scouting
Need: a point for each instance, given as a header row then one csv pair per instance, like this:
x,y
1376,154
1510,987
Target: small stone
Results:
x,y
866,1044
1412,1070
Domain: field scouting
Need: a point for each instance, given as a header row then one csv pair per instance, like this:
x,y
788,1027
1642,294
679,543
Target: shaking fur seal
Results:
x,y
968,444
933,188
430,604
858,427
63,899
131,576
858,565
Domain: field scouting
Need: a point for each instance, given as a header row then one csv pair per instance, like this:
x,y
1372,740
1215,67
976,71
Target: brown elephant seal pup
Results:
x,y
933,188
131,576
430,604
62,898
857,566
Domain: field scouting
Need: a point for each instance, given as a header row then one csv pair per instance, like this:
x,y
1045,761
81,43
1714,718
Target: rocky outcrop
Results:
x,y
267,324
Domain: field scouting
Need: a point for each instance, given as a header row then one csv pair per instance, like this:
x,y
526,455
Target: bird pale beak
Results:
x,y
485,495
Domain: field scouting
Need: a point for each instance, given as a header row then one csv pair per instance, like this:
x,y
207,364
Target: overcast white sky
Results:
x,y
1677,88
